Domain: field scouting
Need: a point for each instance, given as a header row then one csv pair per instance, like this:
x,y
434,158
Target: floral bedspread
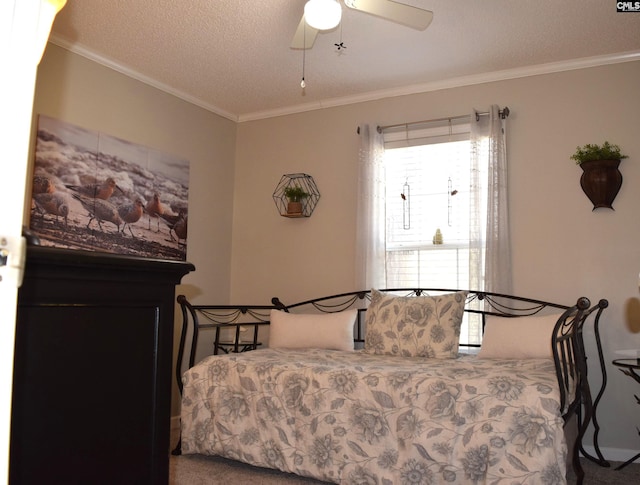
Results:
x,y
355,418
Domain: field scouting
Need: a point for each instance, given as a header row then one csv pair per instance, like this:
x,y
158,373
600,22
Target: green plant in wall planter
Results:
x,y
295,194
601,178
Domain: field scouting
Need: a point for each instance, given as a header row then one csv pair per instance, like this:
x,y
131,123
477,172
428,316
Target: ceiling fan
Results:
x,y
331,11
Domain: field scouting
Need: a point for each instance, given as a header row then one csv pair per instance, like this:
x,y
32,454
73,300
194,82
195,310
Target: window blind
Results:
x,y
427,133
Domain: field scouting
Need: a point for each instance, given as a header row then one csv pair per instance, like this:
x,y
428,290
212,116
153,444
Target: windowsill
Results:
x,y
428,247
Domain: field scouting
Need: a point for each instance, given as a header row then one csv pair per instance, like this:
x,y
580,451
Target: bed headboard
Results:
x,y
481,304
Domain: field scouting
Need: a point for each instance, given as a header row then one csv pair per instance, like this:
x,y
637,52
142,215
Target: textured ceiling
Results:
x,y
233,56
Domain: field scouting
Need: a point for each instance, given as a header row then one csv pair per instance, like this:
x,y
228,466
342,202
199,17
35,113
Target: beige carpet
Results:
x,y
200,470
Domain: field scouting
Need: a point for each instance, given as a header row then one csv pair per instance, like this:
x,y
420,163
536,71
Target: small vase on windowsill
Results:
x,y
437,238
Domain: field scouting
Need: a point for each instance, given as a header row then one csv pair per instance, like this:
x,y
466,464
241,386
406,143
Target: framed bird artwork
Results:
x,y
97,192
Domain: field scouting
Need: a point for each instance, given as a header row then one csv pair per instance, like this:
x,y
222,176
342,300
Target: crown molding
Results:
x,y
503,75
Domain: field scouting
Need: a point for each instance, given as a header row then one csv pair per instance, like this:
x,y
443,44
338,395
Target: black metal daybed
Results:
x,y
401,402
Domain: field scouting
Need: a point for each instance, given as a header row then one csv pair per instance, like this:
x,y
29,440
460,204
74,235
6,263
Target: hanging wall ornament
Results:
x,y
450,193
406,206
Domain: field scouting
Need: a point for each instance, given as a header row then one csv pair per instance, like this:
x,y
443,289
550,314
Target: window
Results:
x,y
427,183
449,175
427,190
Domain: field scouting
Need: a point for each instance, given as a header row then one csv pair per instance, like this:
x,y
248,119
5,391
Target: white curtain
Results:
x,y
371,220
490,196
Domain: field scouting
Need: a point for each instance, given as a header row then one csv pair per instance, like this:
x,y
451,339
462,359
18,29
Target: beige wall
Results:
x,y
561,249
76,90
245,252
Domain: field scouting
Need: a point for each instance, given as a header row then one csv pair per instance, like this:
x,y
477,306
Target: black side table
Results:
x,y
629,367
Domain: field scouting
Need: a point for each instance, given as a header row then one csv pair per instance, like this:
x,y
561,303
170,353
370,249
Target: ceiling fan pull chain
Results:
x,y
304,50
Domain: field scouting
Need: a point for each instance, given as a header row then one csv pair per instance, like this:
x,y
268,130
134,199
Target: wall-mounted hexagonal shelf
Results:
x,y
296,195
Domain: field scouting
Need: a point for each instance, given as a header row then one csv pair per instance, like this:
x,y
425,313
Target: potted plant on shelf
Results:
x,y
601,178
295,194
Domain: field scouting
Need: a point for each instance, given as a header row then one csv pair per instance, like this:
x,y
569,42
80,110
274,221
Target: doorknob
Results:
x,y
12,256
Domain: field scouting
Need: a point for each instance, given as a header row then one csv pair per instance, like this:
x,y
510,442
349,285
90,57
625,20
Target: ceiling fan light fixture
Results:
x,y
322,14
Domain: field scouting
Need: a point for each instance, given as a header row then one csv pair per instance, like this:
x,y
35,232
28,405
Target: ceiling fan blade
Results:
x,y
408,15
304,37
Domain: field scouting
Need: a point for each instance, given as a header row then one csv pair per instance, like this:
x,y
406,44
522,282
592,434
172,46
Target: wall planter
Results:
x,y
601,178
296,195
601,181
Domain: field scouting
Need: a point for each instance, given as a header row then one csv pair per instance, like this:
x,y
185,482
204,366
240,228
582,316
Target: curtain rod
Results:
x,y
504,113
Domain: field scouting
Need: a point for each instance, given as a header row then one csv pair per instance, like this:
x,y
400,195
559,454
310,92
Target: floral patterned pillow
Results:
x,y
414,326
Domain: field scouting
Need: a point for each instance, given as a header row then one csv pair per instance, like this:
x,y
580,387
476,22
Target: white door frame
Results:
x,y
24,30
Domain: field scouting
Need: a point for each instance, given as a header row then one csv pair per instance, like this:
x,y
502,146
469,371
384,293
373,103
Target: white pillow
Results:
x,y
319,331
518,338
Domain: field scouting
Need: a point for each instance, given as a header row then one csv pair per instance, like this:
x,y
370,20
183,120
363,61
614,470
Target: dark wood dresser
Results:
x,y
93,369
